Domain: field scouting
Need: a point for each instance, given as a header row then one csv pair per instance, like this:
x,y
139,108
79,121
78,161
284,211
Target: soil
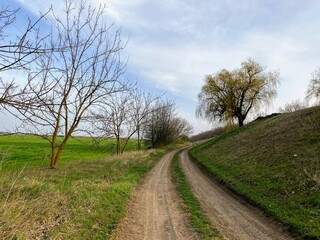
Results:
x,y
155,210
231,215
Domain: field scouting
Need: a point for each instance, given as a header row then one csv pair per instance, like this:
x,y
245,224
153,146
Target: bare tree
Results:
x,y
84,68
122,116
141,106
293,106
163,126
119,125
16,55
314,86
181,128
208,134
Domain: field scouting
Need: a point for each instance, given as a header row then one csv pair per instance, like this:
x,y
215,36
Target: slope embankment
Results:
x,y
273,162
232,216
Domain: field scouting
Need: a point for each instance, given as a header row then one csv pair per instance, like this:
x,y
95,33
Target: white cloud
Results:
x,y
174,43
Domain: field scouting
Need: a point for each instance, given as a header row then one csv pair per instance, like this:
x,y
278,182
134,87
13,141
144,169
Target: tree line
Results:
x,y
75,82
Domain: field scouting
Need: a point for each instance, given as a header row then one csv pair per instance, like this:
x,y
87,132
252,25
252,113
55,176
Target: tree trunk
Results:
x,y
53,154
118,145
58,154
240,121
139,143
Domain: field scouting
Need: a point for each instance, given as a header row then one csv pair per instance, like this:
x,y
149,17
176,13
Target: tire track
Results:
x,y
233,218
155,212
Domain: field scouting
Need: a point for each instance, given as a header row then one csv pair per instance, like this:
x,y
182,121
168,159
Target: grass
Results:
x,y
275,164
191,205
79,200
18,150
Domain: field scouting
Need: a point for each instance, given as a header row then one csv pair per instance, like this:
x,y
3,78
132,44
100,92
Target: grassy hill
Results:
x,y
275,163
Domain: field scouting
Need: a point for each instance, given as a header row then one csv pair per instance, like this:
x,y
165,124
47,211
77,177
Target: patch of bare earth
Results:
x,y
231,216
155,212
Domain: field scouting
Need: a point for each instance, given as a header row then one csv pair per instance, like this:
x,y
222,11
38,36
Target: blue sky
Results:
x,y
173,44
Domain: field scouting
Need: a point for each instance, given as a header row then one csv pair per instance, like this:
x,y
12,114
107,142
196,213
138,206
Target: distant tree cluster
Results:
x,y
293,106
140,115
208,134
164,127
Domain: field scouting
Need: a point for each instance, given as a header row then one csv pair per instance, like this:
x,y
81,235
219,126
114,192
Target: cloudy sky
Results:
x,y
173,44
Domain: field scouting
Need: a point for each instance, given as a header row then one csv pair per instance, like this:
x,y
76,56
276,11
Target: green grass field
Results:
x,y
275,163
84,198
79,200
19,150
190,203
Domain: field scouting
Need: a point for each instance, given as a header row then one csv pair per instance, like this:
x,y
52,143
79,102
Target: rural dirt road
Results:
x,y
231,216
154,212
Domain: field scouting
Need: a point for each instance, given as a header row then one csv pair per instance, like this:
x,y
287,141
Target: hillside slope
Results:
x,y
274,162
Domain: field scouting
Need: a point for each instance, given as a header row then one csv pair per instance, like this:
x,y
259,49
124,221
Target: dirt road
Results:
x,y
231,216
155,212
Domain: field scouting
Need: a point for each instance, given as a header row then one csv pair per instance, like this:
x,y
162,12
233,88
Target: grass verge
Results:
x,y
190,203
79,200
274,163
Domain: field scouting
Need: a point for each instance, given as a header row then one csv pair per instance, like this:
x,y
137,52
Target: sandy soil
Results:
x,y
232,216
155,210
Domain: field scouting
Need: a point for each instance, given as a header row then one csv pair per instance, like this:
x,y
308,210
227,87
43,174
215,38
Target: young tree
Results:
x,y
122,116
228,95
84,68
141,106
115,119
314,86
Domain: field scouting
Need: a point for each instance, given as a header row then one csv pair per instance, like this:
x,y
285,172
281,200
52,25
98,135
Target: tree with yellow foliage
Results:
x,y
228,95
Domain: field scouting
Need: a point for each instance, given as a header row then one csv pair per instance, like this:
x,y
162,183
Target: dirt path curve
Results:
x,y
232,217
154,212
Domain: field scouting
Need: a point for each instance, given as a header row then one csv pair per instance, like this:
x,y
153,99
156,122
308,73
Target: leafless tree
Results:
x,y
181,128
208,134
164,127
84,68
313,91
293,106
16,55
117,113
141,106
122,116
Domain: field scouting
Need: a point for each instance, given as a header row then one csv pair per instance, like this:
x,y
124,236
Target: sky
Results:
x,y
173,44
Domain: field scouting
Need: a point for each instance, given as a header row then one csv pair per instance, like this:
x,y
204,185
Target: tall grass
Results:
x,y
79,200
191,205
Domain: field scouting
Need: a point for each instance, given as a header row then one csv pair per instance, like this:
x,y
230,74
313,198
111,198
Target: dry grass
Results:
x,y
30,206
80,200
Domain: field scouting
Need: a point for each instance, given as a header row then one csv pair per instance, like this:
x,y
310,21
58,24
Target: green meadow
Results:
x,y
84,198
30,151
